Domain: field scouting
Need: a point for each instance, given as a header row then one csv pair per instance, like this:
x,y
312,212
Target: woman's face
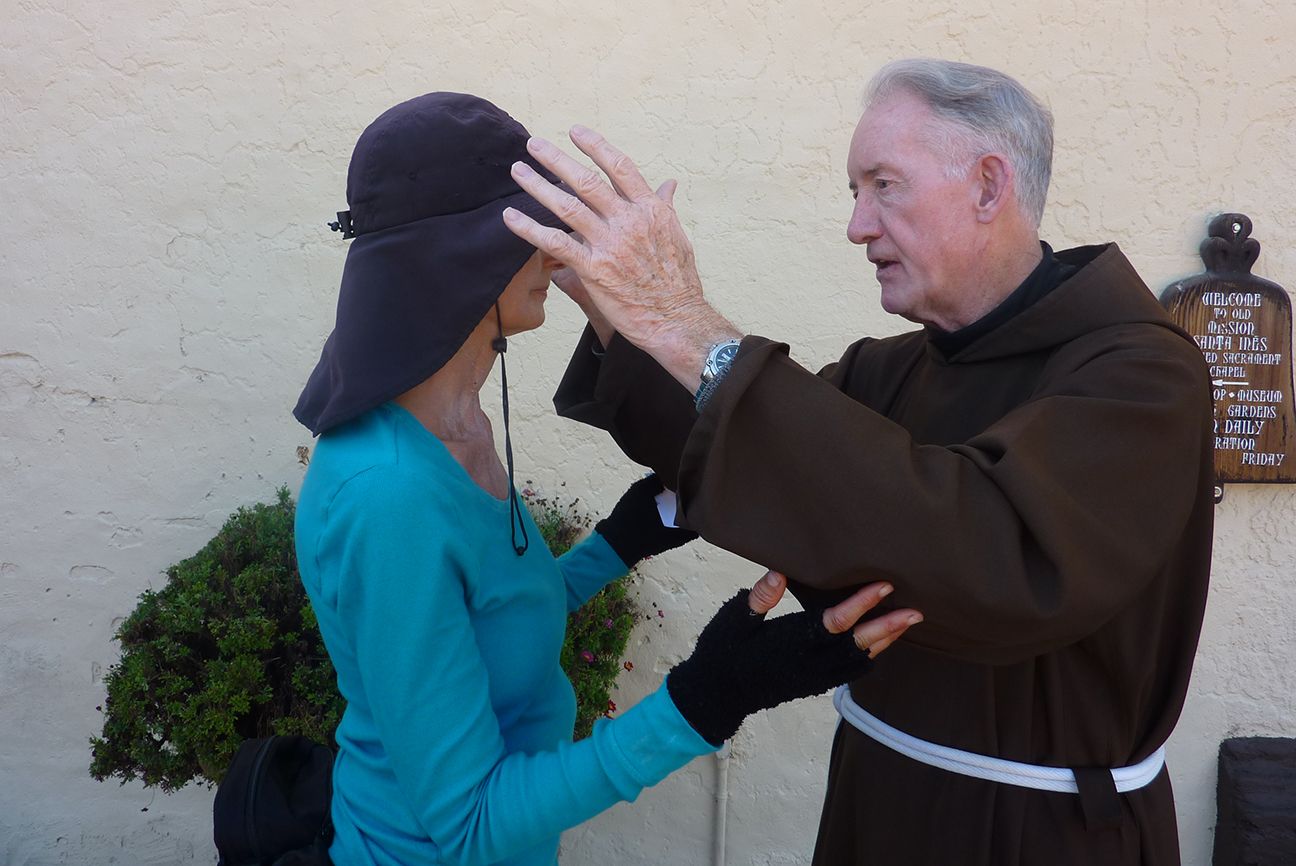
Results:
x,y
522,303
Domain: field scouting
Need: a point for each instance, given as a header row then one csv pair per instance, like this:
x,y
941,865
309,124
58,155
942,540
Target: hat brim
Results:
x,y
410,296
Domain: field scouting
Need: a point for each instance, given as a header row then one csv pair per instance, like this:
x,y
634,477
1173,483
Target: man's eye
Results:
x,y
881,183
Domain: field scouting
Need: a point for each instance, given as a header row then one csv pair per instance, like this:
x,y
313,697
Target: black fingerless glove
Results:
x,y
744,663
634,528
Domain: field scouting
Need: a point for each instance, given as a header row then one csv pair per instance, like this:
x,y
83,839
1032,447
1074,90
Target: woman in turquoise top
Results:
x,y
445,626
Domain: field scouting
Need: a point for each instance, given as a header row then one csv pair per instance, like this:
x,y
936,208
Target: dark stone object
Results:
x,y
1257,802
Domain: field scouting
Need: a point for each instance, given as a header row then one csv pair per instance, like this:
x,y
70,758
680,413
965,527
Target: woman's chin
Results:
x,y
535,320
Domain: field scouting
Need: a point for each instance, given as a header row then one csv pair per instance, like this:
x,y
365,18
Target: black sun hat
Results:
x,y
427,186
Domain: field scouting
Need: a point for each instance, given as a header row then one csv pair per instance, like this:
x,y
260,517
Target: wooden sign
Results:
x,y
1243,325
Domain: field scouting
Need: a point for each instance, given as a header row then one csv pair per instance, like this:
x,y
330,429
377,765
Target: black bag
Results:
x,y
272,807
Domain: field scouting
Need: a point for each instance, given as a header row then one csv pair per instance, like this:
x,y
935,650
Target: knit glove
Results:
x,y
743,663
634,528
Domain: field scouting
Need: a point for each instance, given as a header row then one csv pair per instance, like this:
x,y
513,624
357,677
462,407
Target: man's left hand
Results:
x,y
873,635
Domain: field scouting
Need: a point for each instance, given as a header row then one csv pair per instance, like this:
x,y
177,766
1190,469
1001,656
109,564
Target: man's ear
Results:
x,y
996,181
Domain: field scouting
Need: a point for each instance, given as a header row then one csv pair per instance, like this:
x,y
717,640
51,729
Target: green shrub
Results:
x,y
229,650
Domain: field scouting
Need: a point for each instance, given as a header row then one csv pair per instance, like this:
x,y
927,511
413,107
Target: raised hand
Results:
x,y
631,254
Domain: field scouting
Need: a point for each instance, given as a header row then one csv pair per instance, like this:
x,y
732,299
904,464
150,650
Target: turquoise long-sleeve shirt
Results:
x,y
456,744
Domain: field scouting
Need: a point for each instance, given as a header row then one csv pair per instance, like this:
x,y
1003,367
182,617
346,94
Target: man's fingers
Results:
x,y
666,192
584,181
553,241
619,168
767,593
876,649
843,615
877,634
563,205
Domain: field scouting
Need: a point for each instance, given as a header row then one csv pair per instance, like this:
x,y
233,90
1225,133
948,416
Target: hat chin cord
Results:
x,y
516,521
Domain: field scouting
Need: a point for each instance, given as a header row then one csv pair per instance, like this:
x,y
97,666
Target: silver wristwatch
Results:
x,y
718,361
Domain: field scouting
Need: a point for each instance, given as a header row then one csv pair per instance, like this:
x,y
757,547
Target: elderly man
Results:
x,y
1032,469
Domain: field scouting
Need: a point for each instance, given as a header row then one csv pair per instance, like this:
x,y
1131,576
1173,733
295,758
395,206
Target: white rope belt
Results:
x,y
1059,779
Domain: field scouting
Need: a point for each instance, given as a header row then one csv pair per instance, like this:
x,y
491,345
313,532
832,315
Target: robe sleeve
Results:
x,y
1022,539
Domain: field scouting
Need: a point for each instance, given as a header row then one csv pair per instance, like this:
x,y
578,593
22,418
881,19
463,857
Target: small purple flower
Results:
x,y
587,656
607,623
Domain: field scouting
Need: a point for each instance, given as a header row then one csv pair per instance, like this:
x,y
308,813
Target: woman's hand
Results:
x,y
567,280
570,283
634,529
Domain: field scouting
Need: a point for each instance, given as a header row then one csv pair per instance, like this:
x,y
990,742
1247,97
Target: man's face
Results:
x,y
919,225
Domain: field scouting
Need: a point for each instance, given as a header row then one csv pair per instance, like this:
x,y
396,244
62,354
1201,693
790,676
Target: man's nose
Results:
x,y
863,226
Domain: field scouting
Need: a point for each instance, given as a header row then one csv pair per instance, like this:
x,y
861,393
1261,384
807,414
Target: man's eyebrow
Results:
x,y
867,174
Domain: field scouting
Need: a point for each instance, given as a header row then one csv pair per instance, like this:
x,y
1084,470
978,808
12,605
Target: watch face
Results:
x,y
720,358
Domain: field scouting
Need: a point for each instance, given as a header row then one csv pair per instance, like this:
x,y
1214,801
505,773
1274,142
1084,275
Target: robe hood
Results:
x,y
1095,297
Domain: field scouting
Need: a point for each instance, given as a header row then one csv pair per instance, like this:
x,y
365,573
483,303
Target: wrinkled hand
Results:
x,y
631,253
872,636
570,282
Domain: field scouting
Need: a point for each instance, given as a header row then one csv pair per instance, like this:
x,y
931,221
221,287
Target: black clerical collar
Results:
x,y
1047,276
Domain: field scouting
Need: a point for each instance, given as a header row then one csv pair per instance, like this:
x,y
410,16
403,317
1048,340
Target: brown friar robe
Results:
x,y
1043,496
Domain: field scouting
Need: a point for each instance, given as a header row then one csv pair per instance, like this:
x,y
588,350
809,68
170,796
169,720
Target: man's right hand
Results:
x,y
631,253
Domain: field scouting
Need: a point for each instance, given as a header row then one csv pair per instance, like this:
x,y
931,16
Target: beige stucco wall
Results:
x,y
166,281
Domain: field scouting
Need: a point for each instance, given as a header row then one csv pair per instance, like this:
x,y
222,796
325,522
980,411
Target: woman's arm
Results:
x,y
590,565
429,691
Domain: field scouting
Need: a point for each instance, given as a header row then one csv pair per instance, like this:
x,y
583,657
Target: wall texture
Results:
x,y
167,281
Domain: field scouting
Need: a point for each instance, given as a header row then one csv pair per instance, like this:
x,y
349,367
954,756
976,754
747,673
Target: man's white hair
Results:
x,y
985,111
